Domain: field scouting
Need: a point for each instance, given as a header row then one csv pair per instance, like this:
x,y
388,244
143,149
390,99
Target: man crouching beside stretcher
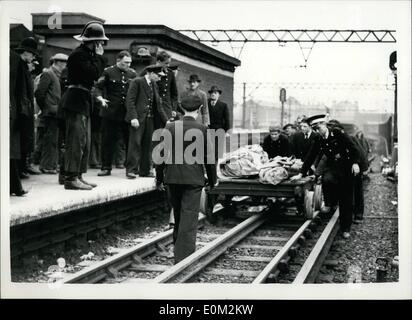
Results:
x,y
182,171
343,158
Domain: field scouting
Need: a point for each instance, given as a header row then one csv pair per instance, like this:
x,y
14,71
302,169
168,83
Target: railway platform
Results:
x,y
46,198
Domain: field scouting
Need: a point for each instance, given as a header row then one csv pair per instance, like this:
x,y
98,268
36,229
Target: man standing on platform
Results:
x,y
143,105
194,90
84,66
219,115
111,92
48,95
25,91
343,161
20,108
167,88
185,177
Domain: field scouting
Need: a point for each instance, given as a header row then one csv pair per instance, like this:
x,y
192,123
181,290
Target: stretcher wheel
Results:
x,y
317,197
308,204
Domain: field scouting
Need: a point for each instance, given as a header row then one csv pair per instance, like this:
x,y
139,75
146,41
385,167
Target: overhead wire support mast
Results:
x,y
282,35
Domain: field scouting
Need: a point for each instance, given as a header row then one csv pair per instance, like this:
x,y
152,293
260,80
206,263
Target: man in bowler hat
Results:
x,y
185,178
194,90
219,115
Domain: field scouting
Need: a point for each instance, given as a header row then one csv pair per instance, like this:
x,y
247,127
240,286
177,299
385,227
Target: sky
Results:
x,y
269,63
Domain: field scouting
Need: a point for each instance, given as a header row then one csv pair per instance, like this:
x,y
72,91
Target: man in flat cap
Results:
x,y
111,91
84,66
194,90
21,112
48,95
143,105
275,143
185,177
343,161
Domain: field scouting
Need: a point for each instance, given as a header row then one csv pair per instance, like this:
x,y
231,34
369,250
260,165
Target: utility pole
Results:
x,y
282,99
244,106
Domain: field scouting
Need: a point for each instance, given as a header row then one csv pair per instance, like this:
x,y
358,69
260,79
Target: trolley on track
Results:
x,y
306,193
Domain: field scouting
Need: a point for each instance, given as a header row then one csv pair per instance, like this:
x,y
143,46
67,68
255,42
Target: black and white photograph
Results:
x,y
206,150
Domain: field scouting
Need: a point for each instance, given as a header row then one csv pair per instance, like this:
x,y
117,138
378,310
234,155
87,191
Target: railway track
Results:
x,y
84,223
256,250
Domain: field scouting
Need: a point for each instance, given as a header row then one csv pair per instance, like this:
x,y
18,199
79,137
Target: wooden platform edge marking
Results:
x,y
313,263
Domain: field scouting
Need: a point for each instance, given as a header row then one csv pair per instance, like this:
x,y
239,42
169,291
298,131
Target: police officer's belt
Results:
x,y
79,86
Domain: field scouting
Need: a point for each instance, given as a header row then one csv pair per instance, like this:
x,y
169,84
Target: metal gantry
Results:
x,y
283,35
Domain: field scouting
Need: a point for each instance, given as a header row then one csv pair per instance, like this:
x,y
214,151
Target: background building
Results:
x,y
212,66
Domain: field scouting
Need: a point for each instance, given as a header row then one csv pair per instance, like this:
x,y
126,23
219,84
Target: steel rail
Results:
x,y
190,266
273,264
313,263
100,270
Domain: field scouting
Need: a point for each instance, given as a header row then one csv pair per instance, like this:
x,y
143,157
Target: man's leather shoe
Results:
x,y
32,170
120,166
93,185
24,175
149,175
76,185
103,173
130,175
20,193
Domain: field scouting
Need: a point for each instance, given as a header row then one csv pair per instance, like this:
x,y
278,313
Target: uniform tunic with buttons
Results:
x,y
113,86
168,94
338,148
338,182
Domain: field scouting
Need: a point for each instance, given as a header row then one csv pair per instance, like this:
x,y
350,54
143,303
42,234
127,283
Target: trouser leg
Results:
x,y
26,141
146,156
77,141
15,183
330,187
38,145
109,135
358,197
345,199
50,141
185,243
135,148
174,193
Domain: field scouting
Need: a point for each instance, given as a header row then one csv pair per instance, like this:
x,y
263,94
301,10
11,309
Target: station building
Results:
x,y
143,41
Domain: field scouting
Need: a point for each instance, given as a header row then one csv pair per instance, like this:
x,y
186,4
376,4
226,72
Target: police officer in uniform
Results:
x,y
84,66
111,91
342,159
167,88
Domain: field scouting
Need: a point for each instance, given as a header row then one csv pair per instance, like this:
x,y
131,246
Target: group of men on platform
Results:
x,y
339,162
69,92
